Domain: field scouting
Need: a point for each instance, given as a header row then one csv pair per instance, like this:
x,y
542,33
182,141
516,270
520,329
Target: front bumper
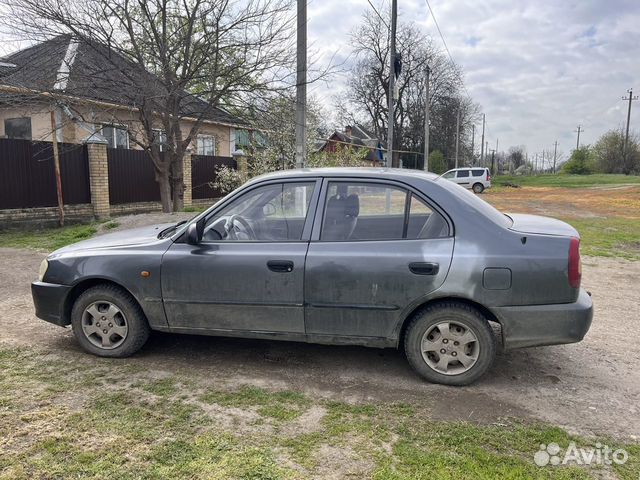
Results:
x,y
48,299
535,325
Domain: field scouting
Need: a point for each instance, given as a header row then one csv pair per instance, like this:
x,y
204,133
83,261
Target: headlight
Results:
x,y
43,269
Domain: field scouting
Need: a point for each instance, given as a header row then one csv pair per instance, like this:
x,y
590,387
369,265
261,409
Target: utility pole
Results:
x,y
555,155
392,81
493,165
457,134
426,120
486,149
578,140
482,144
301,85
473,139
535,168
631,98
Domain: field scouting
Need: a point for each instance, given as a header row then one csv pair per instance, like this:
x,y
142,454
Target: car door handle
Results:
x,y
424,268
282,266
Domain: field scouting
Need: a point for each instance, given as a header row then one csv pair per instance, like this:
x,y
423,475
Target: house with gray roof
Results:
x,y
91,90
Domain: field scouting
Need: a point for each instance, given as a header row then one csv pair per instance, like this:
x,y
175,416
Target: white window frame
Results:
x,y
116,126
203,138
162,136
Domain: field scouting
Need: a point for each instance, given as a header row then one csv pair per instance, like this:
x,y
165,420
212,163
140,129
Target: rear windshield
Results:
x,y
480,205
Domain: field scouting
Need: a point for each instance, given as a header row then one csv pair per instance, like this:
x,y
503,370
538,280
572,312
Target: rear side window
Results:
x,y
463,174
477,173
372,211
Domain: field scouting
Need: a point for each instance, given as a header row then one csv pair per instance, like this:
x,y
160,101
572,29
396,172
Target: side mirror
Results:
x,y
193,234
268,210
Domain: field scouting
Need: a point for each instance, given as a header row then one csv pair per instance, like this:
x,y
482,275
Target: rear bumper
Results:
x,y
535,325
48,299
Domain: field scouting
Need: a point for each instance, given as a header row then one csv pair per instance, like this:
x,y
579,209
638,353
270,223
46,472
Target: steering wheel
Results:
x,y
231,229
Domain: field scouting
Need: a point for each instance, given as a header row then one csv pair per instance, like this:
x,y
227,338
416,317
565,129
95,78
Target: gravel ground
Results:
x,y
590,388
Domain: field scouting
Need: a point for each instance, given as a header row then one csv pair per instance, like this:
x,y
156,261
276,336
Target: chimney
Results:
x,y
347,130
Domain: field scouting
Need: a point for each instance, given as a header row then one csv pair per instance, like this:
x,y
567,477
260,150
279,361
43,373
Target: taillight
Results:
x,y
575,268
488,176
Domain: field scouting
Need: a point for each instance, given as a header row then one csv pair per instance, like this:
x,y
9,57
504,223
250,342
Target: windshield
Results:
x,y
479,204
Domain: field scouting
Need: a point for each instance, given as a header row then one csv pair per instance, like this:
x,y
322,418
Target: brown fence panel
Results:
x,y
27,174
203,174
131,177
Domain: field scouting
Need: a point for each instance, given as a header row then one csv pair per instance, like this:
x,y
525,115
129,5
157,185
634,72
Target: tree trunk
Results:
x,y
177,182
165,191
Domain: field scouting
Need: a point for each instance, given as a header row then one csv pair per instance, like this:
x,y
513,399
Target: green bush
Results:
x,y
580,162
436,162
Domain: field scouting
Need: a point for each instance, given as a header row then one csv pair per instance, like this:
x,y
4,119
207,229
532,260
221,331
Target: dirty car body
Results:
x,y
373,257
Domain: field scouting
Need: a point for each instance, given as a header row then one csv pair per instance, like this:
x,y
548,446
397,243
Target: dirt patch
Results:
x,y
586,387
604,201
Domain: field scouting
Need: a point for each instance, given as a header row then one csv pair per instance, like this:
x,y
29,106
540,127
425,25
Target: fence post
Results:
x,y
187,179
241,161
98,177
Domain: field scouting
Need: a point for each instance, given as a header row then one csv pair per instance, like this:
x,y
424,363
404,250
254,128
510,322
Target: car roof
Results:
x,y
362,172
467,168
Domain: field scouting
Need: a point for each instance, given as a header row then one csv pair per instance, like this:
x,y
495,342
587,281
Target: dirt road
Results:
x,y
590,388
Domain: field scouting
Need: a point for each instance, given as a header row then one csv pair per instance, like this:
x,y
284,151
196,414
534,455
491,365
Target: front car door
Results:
x,y
247,273
377,249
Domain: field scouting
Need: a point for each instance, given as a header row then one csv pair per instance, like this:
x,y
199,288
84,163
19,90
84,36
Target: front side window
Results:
x,y
206,145
372,211
270,213
18,128
117,136
449,174
463,174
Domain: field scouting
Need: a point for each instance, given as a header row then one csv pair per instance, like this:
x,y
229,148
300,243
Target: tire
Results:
x,y
461,319
108,322
478,188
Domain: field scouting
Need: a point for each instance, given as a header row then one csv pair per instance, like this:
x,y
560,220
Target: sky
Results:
x,y
538,68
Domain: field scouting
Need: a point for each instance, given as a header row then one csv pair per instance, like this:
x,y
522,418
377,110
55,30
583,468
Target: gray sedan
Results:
x,y
373,257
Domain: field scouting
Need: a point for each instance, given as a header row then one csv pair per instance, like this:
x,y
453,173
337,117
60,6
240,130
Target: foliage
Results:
x,y
580,162
608,153
48,239
436,162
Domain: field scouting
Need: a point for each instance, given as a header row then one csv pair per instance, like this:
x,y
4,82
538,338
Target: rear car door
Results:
x,y
377,247
252,279
463,177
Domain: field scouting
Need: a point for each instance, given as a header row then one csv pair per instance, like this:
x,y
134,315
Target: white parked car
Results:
x,y
475,178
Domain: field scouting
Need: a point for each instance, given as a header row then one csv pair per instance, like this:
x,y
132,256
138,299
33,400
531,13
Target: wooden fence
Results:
x,y
27,174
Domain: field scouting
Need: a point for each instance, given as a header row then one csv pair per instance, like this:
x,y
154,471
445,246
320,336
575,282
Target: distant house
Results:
x,y
355,136
89,89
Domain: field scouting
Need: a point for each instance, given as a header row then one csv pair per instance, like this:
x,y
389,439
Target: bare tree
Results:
x,y
174,60
367,94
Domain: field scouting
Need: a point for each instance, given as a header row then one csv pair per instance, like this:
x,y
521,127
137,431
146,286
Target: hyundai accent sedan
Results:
x,y
374,257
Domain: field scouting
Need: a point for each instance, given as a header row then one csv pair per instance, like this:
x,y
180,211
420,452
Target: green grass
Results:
x,y
608,237
567,181
47,239
84,417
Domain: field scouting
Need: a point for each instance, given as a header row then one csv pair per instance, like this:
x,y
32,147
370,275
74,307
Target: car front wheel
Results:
x,y
450,343
108,322
478,188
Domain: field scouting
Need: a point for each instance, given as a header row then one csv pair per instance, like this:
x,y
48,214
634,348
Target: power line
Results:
x,y
379,15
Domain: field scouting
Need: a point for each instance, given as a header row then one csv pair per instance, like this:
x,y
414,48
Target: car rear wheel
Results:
x,y
450,343
108,322
478,188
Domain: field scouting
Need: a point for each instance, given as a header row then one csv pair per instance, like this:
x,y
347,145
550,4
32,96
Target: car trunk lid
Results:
x,y
536,224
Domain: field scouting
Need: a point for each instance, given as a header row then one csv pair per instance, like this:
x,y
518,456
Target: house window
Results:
x,y
206,145
160,138
117,136
18,128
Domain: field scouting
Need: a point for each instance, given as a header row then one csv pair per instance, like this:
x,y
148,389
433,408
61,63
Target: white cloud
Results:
x,y
538,67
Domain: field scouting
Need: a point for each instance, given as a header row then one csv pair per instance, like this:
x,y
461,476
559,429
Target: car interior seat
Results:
x,y
341,215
